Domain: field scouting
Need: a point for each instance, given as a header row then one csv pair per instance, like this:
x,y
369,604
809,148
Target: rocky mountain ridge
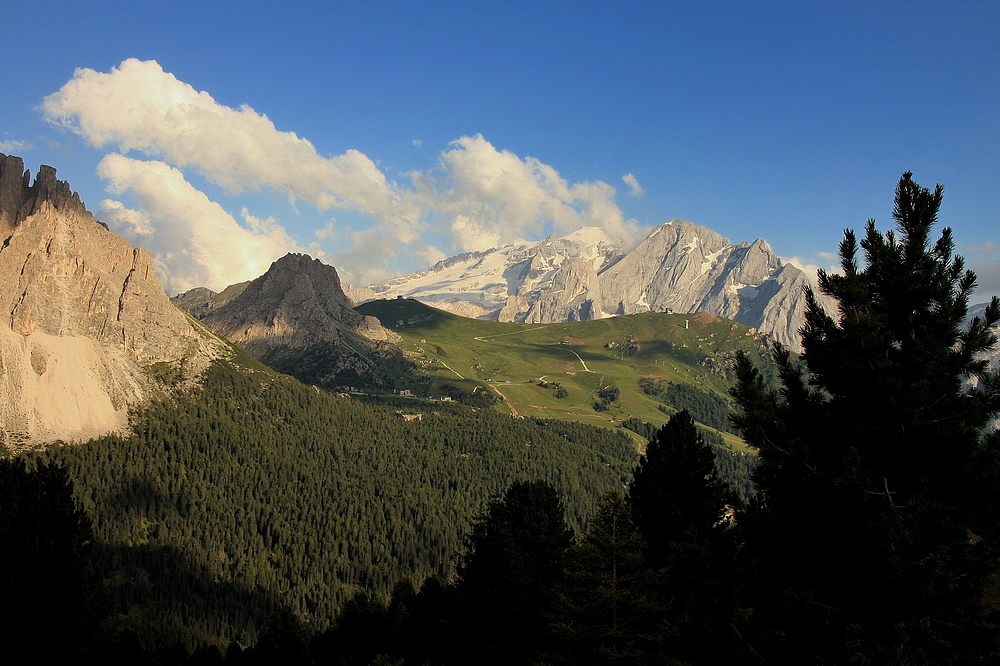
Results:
x,y
84,317
297,319
679,267
501,283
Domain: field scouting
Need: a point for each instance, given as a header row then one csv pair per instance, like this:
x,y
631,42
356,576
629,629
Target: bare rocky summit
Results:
x,y
20,199
198,302
682,267
297,319
679,267
84,317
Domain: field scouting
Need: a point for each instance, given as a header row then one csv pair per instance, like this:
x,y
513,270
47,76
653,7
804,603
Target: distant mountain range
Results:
x,y
585,275
87,330
994,356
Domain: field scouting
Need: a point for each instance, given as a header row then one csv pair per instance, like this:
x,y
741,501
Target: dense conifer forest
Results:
x,y
706,407
256,491
267,507
733,467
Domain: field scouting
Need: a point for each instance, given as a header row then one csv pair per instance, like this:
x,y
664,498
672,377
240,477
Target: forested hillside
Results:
x,y
256,490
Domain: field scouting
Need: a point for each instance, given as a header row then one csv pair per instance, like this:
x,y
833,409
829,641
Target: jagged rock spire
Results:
x,y
19,199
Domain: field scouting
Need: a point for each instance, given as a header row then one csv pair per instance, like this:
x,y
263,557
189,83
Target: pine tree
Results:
x,y
873,534
513,562
679,505
608,611
676,494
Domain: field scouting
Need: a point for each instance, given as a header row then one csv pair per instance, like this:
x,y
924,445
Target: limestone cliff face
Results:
x,y
296,318
83,314
585,275
19,200
688,268
574,294
198,302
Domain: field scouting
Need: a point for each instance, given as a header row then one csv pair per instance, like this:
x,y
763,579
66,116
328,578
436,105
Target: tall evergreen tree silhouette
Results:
x,y
608,608
513,562
676,494
679,504
46,610
874,531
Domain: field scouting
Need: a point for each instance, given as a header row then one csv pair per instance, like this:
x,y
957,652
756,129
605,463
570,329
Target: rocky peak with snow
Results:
x,y
502,283
679,267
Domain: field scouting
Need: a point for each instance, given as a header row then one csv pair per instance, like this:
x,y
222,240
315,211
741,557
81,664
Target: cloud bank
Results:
x,y
193,240
476,196
495,197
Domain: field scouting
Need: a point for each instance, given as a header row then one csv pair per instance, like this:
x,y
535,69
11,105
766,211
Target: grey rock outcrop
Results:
x,y
359,294
574,294
687,268
584,275
198,302
506,283
297,319
83,315
20,199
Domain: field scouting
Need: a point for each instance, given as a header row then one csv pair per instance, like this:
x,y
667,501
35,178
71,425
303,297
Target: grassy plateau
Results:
x,y
527,364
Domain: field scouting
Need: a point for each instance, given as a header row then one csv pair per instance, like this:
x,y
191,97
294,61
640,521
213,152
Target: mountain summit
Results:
x,y
679,267
84,317
297,319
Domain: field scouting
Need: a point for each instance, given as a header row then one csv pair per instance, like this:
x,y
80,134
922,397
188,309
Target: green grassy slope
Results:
x,y
581,357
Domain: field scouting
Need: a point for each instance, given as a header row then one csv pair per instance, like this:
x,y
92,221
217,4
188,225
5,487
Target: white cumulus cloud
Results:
x,y
431,254
635,189
811,269
194,241
137,106
125,221
495,197
326,232
476,196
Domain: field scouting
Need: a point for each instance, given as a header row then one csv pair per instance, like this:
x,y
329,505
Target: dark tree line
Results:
x,y
47,589
706,407
653,580
734,467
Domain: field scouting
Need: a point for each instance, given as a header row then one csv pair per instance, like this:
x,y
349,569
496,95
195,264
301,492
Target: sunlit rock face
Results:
x,y
83,316
585,275
681,267
295,314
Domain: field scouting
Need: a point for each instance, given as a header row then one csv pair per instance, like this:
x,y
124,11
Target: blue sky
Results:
x,y
786,121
